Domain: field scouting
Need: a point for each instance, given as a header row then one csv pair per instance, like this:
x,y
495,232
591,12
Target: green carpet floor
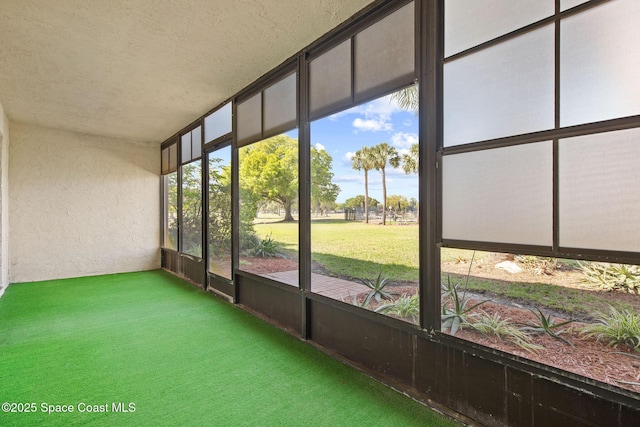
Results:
x,y
170,354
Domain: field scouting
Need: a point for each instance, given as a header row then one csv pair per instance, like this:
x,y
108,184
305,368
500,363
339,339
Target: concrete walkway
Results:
x,y
331,287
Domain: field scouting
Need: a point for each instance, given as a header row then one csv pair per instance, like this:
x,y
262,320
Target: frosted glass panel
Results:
x,y
600,63
385,52
185,146
196,142
165,161
217,123
280,105
504,195
173,157
504,90
330,79
470,23
249,122
568,4
599,199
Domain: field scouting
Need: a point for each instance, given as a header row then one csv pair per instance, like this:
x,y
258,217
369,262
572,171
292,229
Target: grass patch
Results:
x,y
577,303
355,249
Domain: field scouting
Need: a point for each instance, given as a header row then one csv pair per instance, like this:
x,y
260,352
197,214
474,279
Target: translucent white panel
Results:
x,y
249,122
185,146
504,90
280,105
504,195
600,63
330,79
217,123
599,199
385,52
165,161
568,4
470,23
196,142
173,157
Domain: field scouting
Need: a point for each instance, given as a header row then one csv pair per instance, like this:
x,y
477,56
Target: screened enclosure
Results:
x,y
442,193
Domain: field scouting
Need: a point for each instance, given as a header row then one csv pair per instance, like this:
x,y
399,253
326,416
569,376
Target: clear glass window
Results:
x,y
191,174
219,199
170,182
366,253
268,241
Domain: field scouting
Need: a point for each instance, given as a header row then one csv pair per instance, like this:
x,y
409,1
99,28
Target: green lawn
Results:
x,y
355,249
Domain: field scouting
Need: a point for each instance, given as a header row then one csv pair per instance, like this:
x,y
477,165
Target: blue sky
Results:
x,y
343,133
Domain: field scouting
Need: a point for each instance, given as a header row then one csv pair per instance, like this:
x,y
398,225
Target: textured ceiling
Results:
x,y
143,69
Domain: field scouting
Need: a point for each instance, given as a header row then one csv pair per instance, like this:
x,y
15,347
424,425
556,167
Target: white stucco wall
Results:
x,y
81,205
4,200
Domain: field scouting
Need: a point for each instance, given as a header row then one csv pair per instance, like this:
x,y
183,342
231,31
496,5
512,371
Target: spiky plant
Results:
x,y
266,248
377,288
546,324
406,307
456,309
609,277
615,328
503,329
539,265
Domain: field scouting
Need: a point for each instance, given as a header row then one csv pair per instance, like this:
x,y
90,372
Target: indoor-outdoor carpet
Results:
x,y
148,349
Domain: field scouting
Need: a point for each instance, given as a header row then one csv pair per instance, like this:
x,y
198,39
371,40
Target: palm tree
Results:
x,y
410,160
407,98
363,160
382,154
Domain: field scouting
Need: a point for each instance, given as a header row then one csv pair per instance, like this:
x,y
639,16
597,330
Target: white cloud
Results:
x,y
404,140
373,125
348,178
319,147
374,116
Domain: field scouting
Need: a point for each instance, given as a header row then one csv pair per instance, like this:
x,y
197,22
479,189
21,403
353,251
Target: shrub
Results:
x,y
537,264
617,327
609,277
267,248
406,307
502,328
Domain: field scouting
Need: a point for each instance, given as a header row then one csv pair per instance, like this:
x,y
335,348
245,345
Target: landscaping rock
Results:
x,y
509,266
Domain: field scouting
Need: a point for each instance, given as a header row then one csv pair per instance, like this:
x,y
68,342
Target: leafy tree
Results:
x,y
219,237
171,238
192,208
398,202
269,170
410,161
356,202
383,154
323,191
363,160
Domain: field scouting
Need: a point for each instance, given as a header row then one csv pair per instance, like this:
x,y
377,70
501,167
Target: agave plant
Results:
x,y
455,311
406,307
546,324
377,288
